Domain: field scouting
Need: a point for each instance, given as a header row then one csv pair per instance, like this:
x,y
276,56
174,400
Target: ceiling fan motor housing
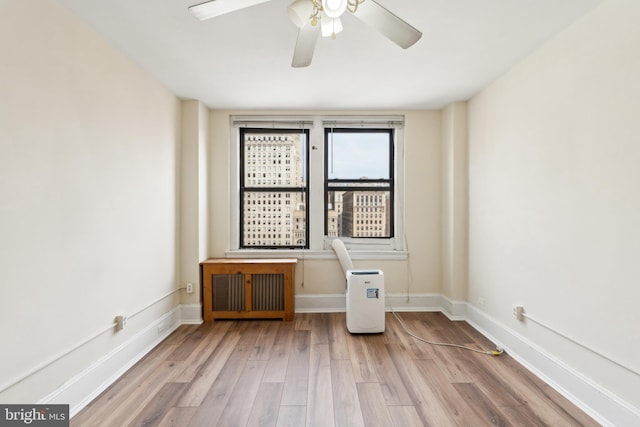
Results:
x,y
334,8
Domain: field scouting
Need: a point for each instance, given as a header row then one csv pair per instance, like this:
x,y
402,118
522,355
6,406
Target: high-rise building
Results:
x,y
364,214
273,218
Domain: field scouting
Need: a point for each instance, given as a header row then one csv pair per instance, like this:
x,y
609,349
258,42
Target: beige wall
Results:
x,y
554,205
88,205
421,272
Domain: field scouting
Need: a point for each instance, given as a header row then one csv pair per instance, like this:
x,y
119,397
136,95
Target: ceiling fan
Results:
x,y
315,17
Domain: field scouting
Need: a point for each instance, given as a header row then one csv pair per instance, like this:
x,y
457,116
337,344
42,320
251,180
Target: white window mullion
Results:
x,y
316,186
398,240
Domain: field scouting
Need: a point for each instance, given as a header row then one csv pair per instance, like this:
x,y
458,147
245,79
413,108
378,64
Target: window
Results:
x,y
273,193
359,183
298,182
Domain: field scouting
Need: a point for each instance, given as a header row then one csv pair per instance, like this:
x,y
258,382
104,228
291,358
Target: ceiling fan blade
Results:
x,y
305,45
394,28
213,8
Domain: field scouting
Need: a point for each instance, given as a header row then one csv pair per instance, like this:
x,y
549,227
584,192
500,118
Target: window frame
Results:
x,y
243,188
319,245
389,182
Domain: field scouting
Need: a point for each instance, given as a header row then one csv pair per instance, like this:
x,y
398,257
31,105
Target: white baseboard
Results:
x,y
599,403
414,302
323,303
81,389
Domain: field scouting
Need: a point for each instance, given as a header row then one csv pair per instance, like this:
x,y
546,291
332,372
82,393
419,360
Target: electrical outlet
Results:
x,y
518,312
189,287
121,322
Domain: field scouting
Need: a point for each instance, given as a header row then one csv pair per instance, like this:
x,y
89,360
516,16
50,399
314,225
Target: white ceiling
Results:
x,y
242,60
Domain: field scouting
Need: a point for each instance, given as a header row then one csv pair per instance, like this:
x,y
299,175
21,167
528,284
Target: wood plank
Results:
x,y
153,413
521,416
479,371
218,395
482,407
432,411
297,377
319,329
198,359
279,358
364,369
448,394
177,417
244,393
392,383
266,405
303,322
291,416
178,336
404,416
191,342
338,336
320,397
347,411
265,340
375,412
206,376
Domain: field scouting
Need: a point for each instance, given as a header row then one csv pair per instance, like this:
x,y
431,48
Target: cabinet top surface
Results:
x,y
250,261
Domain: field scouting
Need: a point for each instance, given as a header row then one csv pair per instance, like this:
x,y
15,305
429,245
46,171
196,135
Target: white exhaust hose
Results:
x,y
342,254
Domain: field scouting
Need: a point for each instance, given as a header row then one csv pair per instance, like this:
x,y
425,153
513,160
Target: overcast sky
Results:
x,y
356,155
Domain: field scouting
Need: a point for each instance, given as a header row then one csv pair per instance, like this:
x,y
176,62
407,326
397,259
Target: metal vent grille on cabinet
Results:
x,y
228,292
268,292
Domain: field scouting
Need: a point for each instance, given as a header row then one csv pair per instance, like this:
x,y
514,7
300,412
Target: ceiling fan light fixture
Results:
x,y
334,8
300,12
330,26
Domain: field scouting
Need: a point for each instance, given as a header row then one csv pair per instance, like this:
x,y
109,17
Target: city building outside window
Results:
x,y
359,184
273,188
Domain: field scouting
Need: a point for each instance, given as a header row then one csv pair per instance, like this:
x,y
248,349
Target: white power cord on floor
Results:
x,y
496,352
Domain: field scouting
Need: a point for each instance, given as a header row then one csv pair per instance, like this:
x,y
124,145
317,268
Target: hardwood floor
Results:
x,y
312,372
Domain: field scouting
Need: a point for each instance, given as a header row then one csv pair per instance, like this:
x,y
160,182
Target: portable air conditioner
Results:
x,y
365,301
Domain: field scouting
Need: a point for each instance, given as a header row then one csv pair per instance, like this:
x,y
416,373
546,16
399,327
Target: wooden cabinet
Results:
x,y
248,288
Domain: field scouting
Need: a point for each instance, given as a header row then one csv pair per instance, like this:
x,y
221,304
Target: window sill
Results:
x,y
383,255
